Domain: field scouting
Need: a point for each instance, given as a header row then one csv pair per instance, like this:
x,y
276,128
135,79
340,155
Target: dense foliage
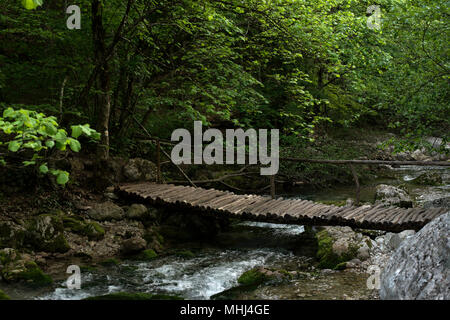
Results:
x,y
290,64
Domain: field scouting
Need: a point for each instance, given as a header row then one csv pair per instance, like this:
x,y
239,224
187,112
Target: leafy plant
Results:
x,y
33,134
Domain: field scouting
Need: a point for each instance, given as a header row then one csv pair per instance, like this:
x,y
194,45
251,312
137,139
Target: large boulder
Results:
x,y
437,203
392,196
140,170
15,267
420,268
140,212
429,179
106,211
11,234
46,233
133,245
337,245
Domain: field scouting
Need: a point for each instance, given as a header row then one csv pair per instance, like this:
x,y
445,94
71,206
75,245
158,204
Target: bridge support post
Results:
x,y
158,161
355,177
272,186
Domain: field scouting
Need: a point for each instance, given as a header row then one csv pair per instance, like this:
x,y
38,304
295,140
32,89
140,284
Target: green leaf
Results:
x,y
8,112
50,143
76,131
28,163
43,169
74,145
14,146
62,177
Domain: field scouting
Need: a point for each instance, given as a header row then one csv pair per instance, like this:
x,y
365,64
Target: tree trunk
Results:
x,y
104,110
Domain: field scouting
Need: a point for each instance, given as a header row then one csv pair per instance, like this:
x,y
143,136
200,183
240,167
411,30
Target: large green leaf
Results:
x,y
14,146
74,145
62,178
43,169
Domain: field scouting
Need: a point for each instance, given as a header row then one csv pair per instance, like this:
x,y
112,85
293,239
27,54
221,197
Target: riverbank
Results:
x,y
125,246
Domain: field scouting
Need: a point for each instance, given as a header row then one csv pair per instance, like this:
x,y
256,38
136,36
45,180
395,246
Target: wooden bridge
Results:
x,y
289,211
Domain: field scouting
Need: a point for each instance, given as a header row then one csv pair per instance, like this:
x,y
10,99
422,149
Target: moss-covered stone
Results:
x,y
4,296
147,255
252,277
341,266
134,296
185,254
328,259
45,233
92,230
87,268
109,262
34,276
12,235
428,179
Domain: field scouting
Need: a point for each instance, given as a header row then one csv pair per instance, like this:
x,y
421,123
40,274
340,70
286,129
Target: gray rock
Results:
x,y
133,245
46,233
106,211
11,234
395,239
392,196
419,155
140,170
428,178
437,203
420,268
137,212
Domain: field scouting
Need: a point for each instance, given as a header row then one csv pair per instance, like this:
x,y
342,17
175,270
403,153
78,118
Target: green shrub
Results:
x,y
32,135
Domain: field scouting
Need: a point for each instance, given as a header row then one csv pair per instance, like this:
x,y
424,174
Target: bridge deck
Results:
x,y
292,211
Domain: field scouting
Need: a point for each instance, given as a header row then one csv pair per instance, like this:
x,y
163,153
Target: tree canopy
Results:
x,y
295,65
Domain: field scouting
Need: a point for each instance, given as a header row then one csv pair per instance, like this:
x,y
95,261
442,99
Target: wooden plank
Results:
x,y
191,196
157,192
166,193
239,204
212,194
280,208
295,209
380,215
390,217
240,201
264,209
226,201
400,216
214,202
255,206
245,207
362,213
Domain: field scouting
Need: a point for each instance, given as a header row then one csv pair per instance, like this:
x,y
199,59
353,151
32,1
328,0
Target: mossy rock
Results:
x,y
252,277
341,266
185,254
328,259
11,235
45,233
4,296
92,230
134,296
147,255
87,268
109,262
428,179
34,276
